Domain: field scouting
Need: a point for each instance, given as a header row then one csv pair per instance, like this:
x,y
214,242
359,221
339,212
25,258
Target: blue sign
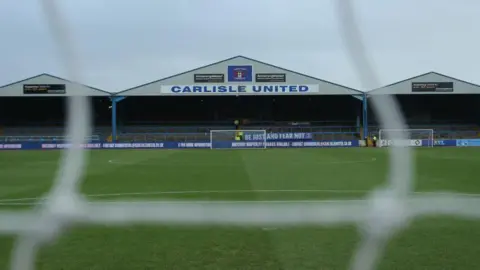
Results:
x,y
441,142
240,73
285,144
282,136
471,142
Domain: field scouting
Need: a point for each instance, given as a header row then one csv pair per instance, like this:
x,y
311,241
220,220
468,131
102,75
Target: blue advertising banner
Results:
x,y
469,142
286,144
177,145
443,143
280,142
11,146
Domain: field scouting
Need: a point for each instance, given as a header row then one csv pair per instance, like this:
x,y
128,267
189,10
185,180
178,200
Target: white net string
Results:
x,y
380,216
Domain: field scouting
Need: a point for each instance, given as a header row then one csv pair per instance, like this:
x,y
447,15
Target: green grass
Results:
x,y
433,243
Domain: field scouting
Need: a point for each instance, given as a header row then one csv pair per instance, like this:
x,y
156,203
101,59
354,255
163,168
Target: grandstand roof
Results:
x,y
431,83
255,76
48,85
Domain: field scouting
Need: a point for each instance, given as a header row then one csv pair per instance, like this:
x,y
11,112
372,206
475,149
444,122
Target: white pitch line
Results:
x,y
230,202
17,203
348,161
230,192
21,199
201,192
112,161
270,228
197,202
332,191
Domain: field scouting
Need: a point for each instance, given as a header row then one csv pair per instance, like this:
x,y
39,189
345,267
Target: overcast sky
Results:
x,y
124,43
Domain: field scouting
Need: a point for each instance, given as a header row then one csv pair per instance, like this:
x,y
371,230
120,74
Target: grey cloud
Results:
x,y
125,43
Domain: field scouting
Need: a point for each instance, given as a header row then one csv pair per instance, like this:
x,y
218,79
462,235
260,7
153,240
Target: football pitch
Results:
x,y
276,175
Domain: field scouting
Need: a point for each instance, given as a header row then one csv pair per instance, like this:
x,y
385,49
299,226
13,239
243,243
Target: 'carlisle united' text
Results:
x,y
204,89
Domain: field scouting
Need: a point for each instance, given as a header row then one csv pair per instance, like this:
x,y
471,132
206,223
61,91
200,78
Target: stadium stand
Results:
x,y
309,111
435,101
28,115
146,117
328,110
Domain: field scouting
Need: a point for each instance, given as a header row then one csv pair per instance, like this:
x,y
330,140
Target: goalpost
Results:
x,y
238,139
415,138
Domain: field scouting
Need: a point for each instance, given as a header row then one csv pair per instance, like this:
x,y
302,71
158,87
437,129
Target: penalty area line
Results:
x,y
180,192
117,162
194,202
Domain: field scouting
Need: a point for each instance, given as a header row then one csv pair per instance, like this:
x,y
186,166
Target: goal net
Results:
x,y
413,138
238,139
380,215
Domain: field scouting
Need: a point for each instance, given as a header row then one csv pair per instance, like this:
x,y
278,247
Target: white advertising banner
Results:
x,y
404,143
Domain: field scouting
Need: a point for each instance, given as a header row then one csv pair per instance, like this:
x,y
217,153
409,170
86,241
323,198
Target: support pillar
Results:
x,y
115,100
365,116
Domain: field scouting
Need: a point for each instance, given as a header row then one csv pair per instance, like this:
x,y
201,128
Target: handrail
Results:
x,y
203,133
246,126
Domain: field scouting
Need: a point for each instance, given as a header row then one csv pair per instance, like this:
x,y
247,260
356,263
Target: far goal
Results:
x,y
238,139
413,138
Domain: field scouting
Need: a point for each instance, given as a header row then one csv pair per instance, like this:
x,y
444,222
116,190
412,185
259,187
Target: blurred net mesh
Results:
x,y
382,214
409,133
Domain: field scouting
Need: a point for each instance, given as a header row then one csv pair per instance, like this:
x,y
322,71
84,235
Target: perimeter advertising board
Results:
x,y
176,145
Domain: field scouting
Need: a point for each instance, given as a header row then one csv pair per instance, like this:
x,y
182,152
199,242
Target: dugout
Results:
x,y
37,106
435,101
261,95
